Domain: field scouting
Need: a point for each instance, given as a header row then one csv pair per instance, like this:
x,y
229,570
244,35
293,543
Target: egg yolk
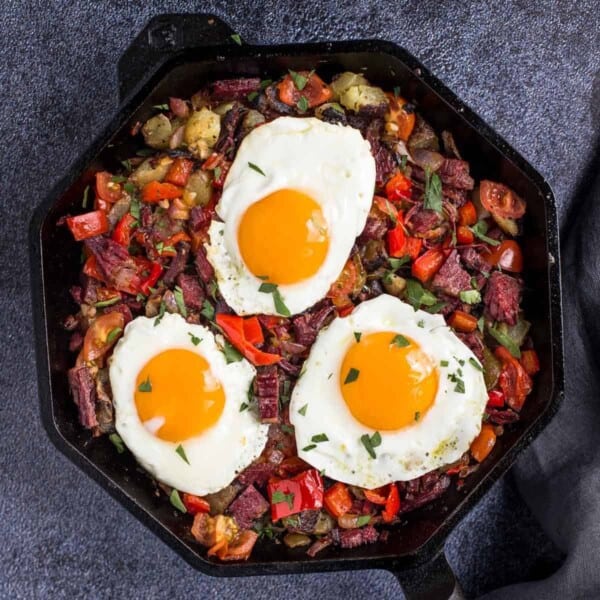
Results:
x,y
387,381
283,237
177,396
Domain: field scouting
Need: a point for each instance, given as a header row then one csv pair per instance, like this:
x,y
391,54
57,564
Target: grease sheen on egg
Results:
x,y
296,197
173,388
404,383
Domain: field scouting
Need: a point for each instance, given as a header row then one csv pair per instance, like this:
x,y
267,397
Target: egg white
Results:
x,y
438,438
216,455
332,164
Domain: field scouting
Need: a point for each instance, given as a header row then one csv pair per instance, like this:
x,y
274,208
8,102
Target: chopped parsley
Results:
x,y
278,496
127,164
161,106
252,96
236,38
208,310
302,411
302,104
433,191
475,364
118,179
161,313
108,302
299,80
117,442
470,296
230,353
256,168
421,323
480,324
244,406
287,429
134,209
320,437
505,340
181,453
175,500
400,341
309,448
86,193
217,172
435,308
370,442
444,363
195,340
145,386
362,520
280,307
265,83
113,334
396,91
352,375
417,416
403,162
129,188
178,293
357,335
460,386
417,295
396,263
479,230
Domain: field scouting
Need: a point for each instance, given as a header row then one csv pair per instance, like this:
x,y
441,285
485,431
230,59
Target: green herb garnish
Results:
x,y
161,106
178,293
230,353
417,295
243,406
417,416
175,500
320,437
363,520
470,296
421,323
256,168
475,364
396,263
302,411
86,192
265,83
108,302
161,313
370,442
208,310
309,447
278,496
302,104
396,91
299,80
252,96
444,363
480,324
181,453
479,230
236,38
400,341
118,179
504,340
195,340
352,375
357,335
287,429
113,334
460,386
134,209
117,442
145,386
280,307
433,191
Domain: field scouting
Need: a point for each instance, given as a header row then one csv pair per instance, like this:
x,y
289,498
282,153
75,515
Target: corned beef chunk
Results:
x,y
266,388
229,135
426,224
257,473
203,267
502,298
455,173
352,538
384,159
84,394
247,507
423,490
178,263
308,324
472,259
474,341
234,89
193,294
452,278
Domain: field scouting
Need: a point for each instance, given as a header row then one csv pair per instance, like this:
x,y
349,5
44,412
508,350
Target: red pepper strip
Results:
x,y
337,499
88,225
291,496
495,399
392,504
464,235
122,231
530,361
396,241
90,268
398,188
233,328
428,264
168,248
195,504
150,281
377,496
454,470
467,214
180,171
253,331
413,247
155,191
513,380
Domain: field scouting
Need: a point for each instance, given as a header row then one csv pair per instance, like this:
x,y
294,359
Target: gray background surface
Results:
x,y
531,71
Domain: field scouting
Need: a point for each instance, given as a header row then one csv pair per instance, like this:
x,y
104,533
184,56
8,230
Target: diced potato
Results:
x,y
251,120
344,81
394,284
364,98
203,128
152,169
157,131
198,190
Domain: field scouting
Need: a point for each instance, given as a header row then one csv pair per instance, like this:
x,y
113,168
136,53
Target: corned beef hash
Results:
x,y
298,311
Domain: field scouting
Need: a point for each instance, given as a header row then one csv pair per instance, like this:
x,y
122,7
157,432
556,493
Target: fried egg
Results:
x,y
296,197
387,394
180,407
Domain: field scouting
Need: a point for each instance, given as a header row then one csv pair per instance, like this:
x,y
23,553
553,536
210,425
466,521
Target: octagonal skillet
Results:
x,y
173,56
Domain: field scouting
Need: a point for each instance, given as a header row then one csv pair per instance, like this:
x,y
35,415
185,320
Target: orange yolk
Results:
x,y
185,396
283,237
394,385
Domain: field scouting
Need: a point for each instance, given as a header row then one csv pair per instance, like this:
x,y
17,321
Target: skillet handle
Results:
x,y
163,36
434,580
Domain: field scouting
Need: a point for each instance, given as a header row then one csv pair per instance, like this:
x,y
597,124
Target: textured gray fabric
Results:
x,y
530,69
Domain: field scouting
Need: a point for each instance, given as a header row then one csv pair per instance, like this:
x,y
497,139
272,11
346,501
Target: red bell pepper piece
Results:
x,y
150,281
180,171
495,399
291,496
392,504
253,331
467,214
337,499
88,225
530,361
413,247
90,268
234,328
377,496
398,188
428,264
122,231
396,241
464,235
155,191
195,504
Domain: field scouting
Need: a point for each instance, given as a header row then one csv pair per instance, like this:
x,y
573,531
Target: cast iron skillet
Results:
x,y
174,55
